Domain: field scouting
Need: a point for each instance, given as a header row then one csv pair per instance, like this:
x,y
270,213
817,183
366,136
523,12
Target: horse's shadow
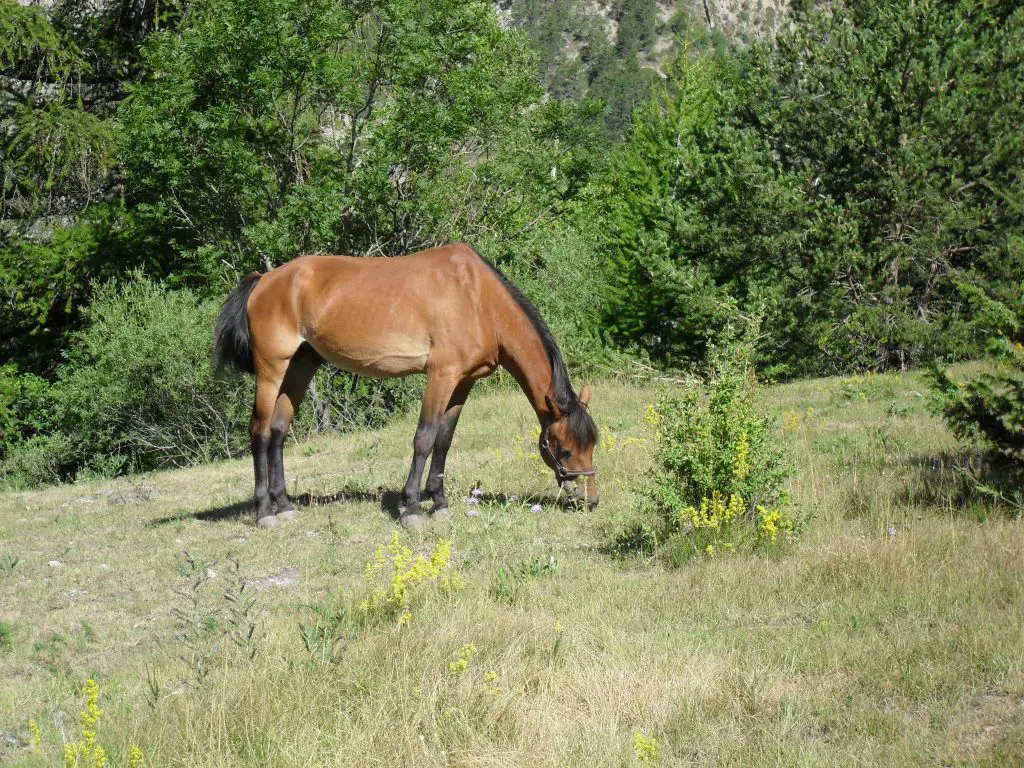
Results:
x,y
389,501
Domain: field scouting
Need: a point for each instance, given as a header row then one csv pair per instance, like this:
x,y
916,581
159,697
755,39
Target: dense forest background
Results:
x,y
657,176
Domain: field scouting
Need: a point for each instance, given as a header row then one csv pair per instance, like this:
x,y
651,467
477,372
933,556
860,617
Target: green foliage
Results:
x,y
509,580
908,118
602,67
271,129
53,151
989,406
857,185
55,165
701,223
136,392
719,470
324,638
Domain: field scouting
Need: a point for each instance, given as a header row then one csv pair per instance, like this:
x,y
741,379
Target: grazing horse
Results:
x,y
446,312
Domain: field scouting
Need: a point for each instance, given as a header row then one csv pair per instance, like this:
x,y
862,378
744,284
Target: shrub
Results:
x,y
990,406
719,469
397,576
137,391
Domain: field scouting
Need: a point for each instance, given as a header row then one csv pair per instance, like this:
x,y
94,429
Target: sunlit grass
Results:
x,y
892,633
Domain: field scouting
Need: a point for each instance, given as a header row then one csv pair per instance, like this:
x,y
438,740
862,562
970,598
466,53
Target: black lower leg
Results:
x,y
421,446
443,441
259,461
435,478
275,465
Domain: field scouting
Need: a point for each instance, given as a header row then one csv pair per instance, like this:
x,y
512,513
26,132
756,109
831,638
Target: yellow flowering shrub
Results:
x,y
87,752
396,574
646,748
37,736
720,468
462,659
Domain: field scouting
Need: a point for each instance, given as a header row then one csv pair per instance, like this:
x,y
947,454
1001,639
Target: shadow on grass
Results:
x,y
968,482
389,501
637,540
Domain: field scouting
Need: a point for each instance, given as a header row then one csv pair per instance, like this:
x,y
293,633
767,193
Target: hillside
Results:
x,y
616,50
892,634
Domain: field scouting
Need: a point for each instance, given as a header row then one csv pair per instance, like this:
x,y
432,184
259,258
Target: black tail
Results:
x,y
231,342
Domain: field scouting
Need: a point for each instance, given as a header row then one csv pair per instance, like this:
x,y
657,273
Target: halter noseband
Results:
x,y
563,473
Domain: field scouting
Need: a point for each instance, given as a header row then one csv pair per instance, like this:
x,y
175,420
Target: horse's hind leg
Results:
x,y
300,372
442,442
268,388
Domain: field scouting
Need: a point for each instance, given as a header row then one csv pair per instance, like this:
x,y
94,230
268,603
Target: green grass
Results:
x,y
855,646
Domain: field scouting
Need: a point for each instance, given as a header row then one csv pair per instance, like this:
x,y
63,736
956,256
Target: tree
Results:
x,y
271,128
703,224
908,116
859,183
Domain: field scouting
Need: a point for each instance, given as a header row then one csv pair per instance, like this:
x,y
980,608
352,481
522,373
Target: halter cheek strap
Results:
x,y
562,472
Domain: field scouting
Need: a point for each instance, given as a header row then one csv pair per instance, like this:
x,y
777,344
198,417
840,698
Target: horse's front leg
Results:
x,y
442,442
435,399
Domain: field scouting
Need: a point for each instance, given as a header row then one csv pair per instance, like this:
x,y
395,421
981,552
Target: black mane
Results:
x,y
581,425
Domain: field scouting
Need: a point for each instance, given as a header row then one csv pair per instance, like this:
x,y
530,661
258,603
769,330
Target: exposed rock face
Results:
x,y
751,17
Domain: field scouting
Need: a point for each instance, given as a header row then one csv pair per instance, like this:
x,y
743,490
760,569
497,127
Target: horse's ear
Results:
x,y
585,394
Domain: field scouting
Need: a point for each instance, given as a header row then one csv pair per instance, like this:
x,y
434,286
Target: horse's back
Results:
x,y
379,316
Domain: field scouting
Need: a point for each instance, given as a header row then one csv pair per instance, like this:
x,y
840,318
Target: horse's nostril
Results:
x,y
592,504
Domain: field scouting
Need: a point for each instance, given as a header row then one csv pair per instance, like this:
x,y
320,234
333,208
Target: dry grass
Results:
x,y
857,646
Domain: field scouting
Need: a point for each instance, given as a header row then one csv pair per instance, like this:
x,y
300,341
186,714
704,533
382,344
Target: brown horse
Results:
x,y
446,312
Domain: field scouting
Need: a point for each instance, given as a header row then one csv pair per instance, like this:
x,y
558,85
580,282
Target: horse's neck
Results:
x,y
524,356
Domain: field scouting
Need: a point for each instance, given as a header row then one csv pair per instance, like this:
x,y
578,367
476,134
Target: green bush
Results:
x,y
719,469
988,407
340,401
136,392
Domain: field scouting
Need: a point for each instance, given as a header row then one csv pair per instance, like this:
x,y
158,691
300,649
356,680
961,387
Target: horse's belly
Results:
x,y
396,357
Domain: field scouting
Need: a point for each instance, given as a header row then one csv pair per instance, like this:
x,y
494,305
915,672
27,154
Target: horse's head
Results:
x,y
567,444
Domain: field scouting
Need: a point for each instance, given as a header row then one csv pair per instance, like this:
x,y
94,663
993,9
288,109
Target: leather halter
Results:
x,y
563,473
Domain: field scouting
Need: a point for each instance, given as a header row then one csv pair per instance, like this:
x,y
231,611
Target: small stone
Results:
x,y
55,563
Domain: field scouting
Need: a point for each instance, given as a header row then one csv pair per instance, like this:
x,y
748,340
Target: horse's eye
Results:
x,y
564,454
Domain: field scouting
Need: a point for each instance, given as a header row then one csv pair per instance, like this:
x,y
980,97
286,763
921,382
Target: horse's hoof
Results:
x,y
413,522
270,521
442,513
288,514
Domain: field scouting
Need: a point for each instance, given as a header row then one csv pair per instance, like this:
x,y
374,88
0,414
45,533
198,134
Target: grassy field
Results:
x,y
891,634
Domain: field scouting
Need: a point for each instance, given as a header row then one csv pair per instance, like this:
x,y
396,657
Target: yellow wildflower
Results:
x,y
463,658
646,748
37,737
